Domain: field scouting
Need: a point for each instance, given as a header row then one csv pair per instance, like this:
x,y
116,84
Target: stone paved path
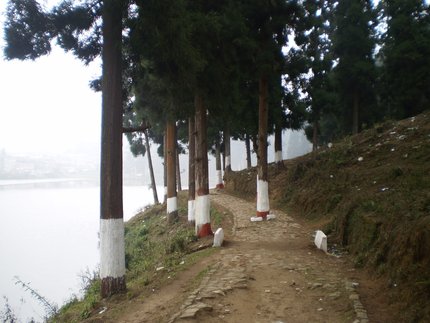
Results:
x,y
271,272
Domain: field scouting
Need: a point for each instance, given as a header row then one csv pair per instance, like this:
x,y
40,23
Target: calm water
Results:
x,y
49,235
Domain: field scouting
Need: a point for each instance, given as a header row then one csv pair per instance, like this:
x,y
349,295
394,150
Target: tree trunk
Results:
x,y
203,223
172,204
263,207
178,169
141,128
278,144
165,166
227,149
191,169
254,140
112,251
248,151
151,169
219,184
223,158
355,114
315,135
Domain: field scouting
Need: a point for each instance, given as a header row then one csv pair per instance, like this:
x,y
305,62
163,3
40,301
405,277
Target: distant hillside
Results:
x,y
371,194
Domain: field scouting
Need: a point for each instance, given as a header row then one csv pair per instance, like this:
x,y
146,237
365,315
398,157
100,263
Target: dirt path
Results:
x,y
268,272
271,272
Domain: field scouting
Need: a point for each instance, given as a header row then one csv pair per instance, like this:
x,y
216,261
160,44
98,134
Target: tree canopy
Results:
x,y
336,58
334,67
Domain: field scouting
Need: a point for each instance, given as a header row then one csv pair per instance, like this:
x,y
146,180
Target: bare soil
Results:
x,y
265,272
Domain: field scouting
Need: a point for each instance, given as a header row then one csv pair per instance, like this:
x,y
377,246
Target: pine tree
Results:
x,y
112,250
191,169
267,30
355,71
172,204
405,58
29,31
318,56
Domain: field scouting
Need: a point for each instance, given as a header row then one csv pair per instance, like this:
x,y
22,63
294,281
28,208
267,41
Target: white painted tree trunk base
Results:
x,y
202,216
220,184
278,156
263,207
227,162
172,204
112,249
191,210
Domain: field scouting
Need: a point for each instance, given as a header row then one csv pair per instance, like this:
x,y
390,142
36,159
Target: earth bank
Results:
x,y
371,194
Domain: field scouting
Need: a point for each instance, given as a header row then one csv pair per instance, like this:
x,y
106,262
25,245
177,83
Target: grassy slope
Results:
x,y
377,208
155,253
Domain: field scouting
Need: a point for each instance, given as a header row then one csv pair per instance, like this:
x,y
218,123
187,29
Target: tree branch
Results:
x,y
141,128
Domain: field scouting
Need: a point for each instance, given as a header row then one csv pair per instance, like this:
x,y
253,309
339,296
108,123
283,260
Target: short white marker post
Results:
x,y
321,240
218,237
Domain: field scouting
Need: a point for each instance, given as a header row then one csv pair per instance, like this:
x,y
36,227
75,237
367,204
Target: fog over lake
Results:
x,y
49,235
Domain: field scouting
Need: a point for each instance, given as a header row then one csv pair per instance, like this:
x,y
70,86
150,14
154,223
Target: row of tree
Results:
x,y
367,61
201,72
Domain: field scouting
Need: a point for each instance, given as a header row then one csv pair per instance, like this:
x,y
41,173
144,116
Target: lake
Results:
x,y
49,236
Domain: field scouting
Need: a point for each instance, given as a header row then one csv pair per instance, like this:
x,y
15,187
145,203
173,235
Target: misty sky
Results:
x,y
46,105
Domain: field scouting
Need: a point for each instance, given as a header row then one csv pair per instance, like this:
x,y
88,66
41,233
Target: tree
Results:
x,y
191,169
163,86
353,46
267,29
317,51
202,215
112,251
172,204
138,139
227,148
29,32
405,57
219,183
248,151
263,207
278,144
195,69
151,169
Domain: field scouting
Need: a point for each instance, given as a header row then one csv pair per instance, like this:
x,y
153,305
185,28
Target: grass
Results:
x,y
155,253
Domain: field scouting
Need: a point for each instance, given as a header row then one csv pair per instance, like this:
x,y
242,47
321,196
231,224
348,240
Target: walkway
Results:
x,y
271,272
